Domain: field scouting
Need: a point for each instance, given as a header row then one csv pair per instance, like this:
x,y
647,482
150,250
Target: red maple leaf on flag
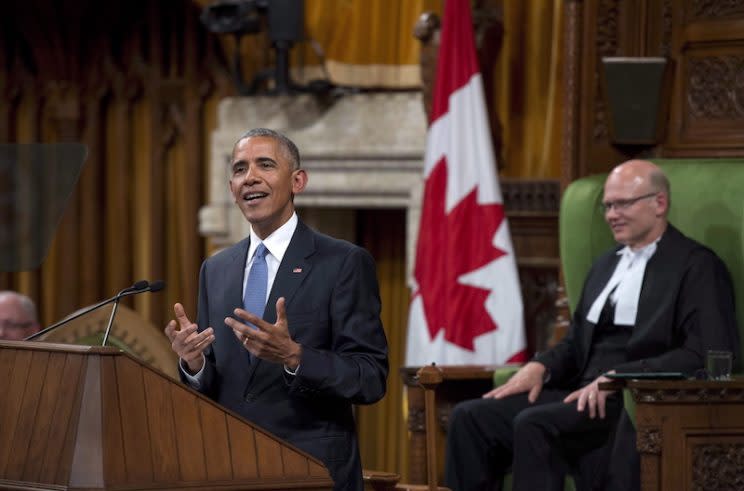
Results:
x,y
450,245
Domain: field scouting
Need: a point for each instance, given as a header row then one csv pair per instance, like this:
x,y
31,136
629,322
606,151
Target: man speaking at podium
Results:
x,y
288,331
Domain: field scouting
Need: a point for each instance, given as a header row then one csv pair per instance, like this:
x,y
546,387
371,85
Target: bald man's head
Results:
x,y
17,316
636,201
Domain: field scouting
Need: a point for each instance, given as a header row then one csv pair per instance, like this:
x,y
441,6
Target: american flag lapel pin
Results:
x,y
297,270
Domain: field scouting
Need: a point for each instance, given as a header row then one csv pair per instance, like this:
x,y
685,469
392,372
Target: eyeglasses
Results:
x,y
623,204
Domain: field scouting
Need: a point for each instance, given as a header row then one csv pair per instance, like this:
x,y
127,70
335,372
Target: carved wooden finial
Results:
x,y
426,26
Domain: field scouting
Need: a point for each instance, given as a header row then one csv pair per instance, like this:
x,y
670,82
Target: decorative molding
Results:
x,y
712,9
522,195
606,44
717,466
649,440
417,420
572,55
690,395
715,88
444,410
539,294
667,22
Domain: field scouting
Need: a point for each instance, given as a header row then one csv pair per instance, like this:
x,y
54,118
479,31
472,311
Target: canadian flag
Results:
x,y
466,306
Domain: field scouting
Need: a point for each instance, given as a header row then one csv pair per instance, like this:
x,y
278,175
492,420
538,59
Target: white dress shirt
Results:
x,y
276,244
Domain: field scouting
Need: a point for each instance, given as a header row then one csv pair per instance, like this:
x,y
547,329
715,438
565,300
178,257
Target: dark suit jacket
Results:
x,y
686,308
333,311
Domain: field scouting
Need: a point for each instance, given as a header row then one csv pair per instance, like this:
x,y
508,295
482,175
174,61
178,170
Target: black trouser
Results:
x,y
539,442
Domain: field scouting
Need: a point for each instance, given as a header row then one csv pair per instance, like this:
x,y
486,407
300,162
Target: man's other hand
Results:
x,y
270,342
186,342
529,378
590,396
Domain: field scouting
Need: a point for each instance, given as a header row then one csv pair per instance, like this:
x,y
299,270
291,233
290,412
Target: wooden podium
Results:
x,y
83,417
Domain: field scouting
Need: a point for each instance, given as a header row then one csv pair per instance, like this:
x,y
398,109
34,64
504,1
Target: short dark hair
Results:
x,y
287,145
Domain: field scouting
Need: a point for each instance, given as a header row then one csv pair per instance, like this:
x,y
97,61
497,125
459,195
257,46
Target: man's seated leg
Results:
x,y
549,437
480,439
624,473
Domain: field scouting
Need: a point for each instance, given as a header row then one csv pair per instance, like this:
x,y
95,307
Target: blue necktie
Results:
x,y
254,300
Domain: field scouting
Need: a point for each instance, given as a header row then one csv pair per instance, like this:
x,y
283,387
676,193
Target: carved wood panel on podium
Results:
x,y
81,417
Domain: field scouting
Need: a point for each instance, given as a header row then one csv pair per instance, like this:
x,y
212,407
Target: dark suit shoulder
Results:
x,y
685,248
228,255
326,244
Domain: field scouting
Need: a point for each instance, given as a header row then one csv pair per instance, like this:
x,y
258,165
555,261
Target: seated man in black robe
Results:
x,y
657,302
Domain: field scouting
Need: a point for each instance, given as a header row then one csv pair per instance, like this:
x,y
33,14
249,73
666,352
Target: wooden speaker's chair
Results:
x,y
130,332
429,377
706,205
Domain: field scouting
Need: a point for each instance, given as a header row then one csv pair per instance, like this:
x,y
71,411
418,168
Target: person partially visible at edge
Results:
x,y
655,303
18,318
317,348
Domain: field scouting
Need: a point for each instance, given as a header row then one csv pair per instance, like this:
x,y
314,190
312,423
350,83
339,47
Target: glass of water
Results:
x,y
718,365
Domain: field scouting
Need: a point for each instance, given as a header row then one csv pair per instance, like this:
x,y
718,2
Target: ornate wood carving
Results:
x,y
649,440
521,195
712,9
666,20
717,466
690,395
572,84
716,87
606,44
416,419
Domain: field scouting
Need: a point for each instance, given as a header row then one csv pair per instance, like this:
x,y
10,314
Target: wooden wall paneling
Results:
x,y
532,210
603,25
704,43
572,54
707,112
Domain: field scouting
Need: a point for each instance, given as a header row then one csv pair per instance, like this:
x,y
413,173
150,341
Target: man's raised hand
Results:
x,y
186,342
270,342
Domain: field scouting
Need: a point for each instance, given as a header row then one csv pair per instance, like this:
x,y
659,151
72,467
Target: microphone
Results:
x,y
137,287
144,286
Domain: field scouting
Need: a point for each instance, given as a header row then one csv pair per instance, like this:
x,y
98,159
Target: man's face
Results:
x,y
263,183
15,323
634,222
